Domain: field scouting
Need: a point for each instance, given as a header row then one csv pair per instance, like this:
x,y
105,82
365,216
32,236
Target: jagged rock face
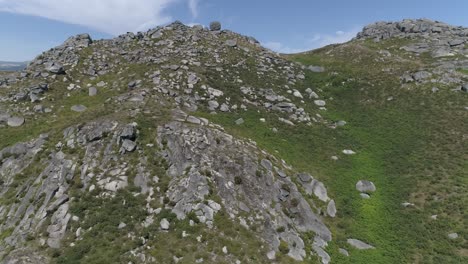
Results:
x,y
208,171
243,184
246,182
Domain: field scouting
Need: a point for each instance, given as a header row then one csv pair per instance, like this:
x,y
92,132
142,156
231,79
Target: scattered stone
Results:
x,y
55,67
225,251
453,235
122,225
78,108
364,196
331,208
212,105
92,91
343,252
231,43
348,152
15,121
128,145
164,224
320,103
359,244
271,255
365,186
239,121
316,68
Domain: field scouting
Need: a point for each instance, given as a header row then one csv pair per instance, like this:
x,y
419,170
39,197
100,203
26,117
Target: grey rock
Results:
x,y
231,43
365,186
78,108
215,26
81,41
164,224
316,68
271,255
320,102
348,152
239,121
92,91
266,164
212,105
364,196
331,208
359,244
128,145
15,121
456,42
464,88
129,132
55,67
304,177
453,235
421,75
343,252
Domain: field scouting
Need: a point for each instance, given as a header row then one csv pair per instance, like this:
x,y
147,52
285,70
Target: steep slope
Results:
x,y
405,103
102,159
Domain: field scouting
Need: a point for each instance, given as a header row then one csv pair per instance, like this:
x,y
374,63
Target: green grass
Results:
x,y
399,143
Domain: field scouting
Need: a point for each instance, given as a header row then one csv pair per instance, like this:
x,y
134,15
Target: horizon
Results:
x,y
30,27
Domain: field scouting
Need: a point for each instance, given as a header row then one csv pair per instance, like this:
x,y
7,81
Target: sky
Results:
x,y
29,27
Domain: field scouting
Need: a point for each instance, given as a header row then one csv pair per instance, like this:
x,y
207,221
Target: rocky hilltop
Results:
x,y
197,145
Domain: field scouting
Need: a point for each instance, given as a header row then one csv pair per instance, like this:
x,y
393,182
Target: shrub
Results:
x,y
280,229
237,180
283,247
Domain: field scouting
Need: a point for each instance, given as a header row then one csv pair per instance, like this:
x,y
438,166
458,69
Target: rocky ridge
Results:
x,y
176,166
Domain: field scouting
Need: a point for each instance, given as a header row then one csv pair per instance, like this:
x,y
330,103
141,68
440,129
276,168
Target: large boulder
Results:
x,y
54,67
81,40
215,26
365,186
15,121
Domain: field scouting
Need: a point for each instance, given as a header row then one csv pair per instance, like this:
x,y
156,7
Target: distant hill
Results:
x,y
12,66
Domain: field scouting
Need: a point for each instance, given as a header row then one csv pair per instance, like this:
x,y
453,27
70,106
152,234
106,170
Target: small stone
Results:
x,y
15,121
343,252
359,244
225,251
453,235
164,224
331,208
79,108
348,152
320,102
231,43
239,121
364,196
92,91
365,186
122,225
128,145
271,255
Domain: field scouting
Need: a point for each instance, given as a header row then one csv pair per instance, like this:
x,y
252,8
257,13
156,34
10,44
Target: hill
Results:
x,y
12,66
193,145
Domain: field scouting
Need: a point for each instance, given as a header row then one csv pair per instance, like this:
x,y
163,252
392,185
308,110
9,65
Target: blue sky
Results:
x,y
28,27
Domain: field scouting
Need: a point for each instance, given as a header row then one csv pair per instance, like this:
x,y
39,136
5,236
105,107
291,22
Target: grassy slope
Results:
x,y
412,148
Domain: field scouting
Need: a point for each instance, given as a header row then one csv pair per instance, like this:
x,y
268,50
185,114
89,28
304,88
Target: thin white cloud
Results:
x,y
314,42
193,6
280,47
110,16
